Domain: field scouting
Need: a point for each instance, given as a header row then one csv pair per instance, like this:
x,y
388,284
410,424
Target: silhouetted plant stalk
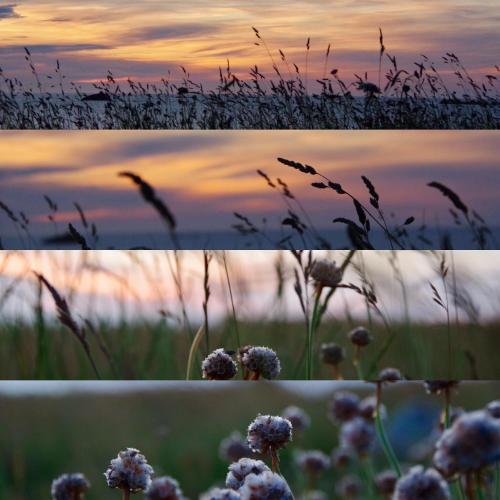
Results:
x,y
207,257
65,317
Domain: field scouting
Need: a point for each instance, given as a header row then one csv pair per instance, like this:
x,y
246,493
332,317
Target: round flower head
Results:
x,y
332,354
234,447
341,457
385,482
390,375
267,433
220,494
469,445
241,469
219,366
358,435
164,488
439,386
368,407
343,406
360,336
325,273
313,462
493,409
69,487
261,361
349,487
265,486
129,471
420,484
298,418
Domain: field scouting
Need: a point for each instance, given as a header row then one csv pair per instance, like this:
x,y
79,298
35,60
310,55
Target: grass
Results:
x,y
157,351
41,436
418,97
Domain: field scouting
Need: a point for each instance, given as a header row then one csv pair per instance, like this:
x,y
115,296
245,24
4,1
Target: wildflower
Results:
x,y
368,408
220,494
358,435
298,418
313,462
129,471
265,486
241,469
385,482
234,447
325,273
343,407
219,366
267,432
69,487
390,375
164,488
348,487
332,354
360,336
493,409
469,445
420,484
261,361
341,457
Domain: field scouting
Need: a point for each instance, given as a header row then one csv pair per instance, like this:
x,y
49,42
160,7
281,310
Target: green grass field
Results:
x,y
156,351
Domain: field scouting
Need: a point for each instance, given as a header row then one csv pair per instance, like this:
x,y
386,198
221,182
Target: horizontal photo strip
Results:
x,y
283,441
249,315
303,65
249,189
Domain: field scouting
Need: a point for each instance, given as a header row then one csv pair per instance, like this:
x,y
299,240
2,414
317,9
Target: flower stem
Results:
x,y
125,494
384,441
313,325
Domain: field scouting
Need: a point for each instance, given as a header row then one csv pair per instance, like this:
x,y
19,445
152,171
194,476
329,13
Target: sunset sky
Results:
x,y
146,39
206,176
137,284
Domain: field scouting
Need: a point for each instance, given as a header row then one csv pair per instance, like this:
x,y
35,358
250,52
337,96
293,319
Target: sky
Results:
x,y
145,40
206,176
116,285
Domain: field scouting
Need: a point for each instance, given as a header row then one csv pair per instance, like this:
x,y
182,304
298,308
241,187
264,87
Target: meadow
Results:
x,y
425,95
41,435
158,315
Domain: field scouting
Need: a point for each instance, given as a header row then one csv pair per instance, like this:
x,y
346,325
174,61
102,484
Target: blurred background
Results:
x,y
48,428
146,306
